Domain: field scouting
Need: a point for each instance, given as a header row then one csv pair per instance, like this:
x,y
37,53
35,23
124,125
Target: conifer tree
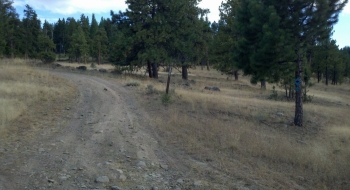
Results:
x,y
79,48
31,26
273,30
99,44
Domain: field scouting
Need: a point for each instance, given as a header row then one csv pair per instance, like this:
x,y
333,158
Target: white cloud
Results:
x,y
346,9
213,6
67,7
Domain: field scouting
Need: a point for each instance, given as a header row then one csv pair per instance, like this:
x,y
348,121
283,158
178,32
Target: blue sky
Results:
x,y
51,10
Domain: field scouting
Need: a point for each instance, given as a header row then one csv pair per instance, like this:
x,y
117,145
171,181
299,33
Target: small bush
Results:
x,y
133,83
93,65
166,99
151,90
47,57
274,94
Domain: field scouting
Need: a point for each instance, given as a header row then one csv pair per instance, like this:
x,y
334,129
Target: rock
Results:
x,y
120,171
41,150
181,181
140,187
102,70
279,114
301,178
102,179
186,85
198,183
115,188
122,177
215,88
105,89
164,166
141,164
64,177
154,188
82,68
51,181
284,125
177,188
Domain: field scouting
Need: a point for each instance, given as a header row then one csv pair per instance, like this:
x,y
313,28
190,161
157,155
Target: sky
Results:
x,y
52,10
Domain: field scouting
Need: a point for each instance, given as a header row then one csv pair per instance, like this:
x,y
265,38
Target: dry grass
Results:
x,y
28,98
251,137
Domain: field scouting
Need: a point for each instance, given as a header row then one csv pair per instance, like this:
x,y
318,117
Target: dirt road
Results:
x,y
103,142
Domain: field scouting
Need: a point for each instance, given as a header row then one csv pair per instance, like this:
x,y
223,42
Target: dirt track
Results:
x,y
104,141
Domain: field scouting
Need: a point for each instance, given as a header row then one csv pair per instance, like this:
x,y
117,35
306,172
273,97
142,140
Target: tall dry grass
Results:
x,y
28,95
243,129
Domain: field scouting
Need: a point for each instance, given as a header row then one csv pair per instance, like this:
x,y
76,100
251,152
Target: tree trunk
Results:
x,y
263,85
286,88
184,72
99,57
168,81
207,59
12,54
326,74
298,119
149,69
290,92
334,78
235,73
154,70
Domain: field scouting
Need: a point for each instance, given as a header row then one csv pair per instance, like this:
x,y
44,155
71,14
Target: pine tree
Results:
x,y
185,28
151,30
283,27
78,48
99,44
223,46
6,8
31,26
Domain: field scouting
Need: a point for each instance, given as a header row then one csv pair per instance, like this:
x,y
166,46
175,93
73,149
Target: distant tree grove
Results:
x,y
276,41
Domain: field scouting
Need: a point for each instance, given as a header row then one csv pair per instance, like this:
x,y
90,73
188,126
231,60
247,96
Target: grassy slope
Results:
x,y
30,100
251,137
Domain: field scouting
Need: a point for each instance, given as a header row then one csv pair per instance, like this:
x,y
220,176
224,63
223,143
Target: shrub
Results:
x,y
133,83
274,94
166,99
150,89
47,57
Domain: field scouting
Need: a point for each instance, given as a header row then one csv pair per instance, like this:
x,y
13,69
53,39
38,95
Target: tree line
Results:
x,y
282,42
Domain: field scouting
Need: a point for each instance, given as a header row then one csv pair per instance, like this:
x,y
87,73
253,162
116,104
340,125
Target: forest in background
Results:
x,y
280,42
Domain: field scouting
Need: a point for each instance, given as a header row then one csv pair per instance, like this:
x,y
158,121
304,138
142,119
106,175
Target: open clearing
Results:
x,y
67,129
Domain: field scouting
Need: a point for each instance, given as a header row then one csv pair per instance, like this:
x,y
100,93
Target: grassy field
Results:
x,y
241,131
238,130
29,99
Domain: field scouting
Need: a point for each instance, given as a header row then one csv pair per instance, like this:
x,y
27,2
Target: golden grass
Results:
x,y
28,96
246,134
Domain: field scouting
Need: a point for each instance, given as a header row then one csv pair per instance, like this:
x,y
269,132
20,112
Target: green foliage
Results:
x,y
166,99
47,57
151,90
93,65
79,47
274,95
